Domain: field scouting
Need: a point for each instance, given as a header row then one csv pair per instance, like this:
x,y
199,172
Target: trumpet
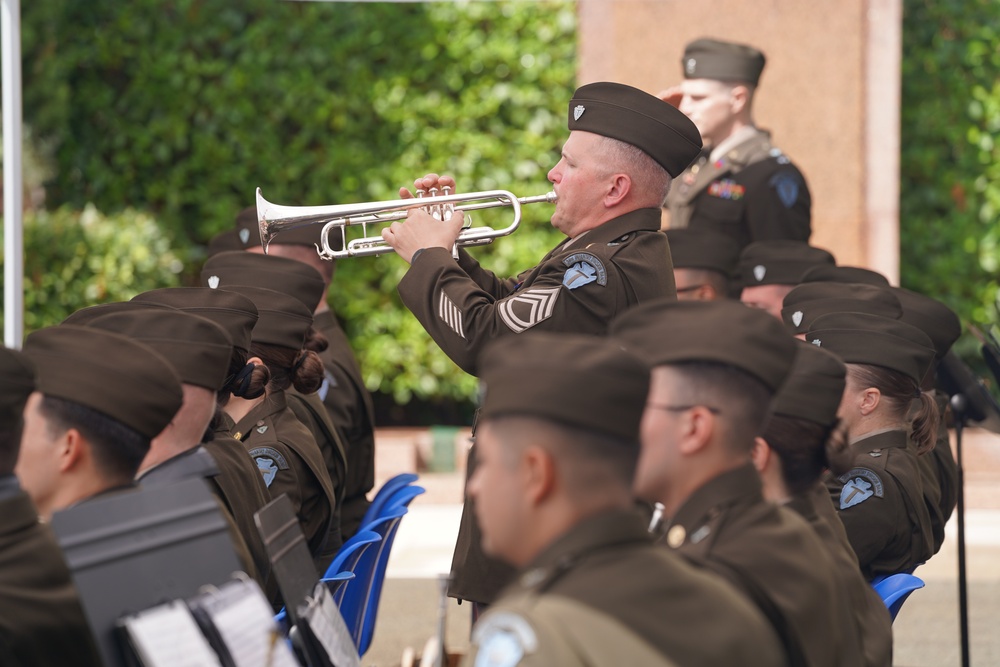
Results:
x,y
274,219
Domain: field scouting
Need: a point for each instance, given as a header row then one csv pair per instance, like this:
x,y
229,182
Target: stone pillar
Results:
x,y
829,94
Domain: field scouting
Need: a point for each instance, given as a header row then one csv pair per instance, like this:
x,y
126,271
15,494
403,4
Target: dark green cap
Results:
x,y
233,312
814,388
723,61
695,248
17,381
779,262
268,271
282,319
810,300
197,348
582,381
860,338
85,316
107,372
827,273
935,319
665,331
628,114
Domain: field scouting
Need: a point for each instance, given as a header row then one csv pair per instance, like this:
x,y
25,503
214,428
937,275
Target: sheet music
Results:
x,y
244,621
328,625
168,636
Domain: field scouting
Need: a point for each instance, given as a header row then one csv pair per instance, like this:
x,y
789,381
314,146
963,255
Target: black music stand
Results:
x,y
971,402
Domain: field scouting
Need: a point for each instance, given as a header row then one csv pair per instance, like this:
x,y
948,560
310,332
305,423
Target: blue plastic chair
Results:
x,y
391,486
403,497
895,588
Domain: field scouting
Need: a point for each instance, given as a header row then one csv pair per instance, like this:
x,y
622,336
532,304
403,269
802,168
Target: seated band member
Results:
x,y
704,263
558,445
770,269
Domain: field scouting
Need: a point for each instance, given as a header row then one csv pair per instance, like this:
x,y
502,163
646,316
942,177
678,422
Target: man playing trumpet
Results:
x,y
625,147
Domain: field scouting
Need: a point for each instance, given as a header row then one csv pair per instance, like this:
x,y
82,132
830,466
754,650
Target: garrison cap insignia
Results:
x,y
503,638
528,308
584,269
797,317
860,484
244,235
787,187
676,536
578,111
449,312
759,272
689,66
269,461
213,282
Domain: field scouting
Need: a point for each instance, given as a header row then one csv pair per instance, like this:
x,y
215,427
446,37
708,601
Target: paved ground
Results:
x,y
926,630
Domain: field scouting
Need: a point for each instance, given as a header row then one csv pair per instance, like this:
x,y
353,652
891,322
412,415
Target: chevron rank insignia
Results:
x,y
450,314
584,269
860,484
528,308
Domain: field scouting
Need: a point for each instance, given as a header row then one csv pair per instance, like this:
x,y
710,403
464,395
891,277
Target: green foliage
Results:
x,y
74,259
183,107
951,155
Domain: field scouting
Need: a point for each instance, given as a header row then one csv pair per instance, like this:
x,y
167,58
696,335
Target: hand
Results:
x,y
421,230
427,183
672,96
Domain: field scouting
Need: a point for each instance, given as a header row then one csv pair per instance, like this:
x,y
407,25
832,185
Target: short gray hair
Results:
x,y
650,181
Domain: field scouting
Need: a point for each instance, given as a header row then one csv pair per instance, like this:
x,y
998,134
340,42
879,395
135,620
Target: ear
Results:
x,y
760,454
256,361
868,400
739,99
705,293
697,428
72,451
620,186
539,474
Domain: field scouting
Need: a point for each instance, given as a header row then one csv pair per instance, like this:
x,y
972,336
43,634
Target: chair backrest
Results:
x,y
352,596
895,588
385,492
404,496
378,577
350,551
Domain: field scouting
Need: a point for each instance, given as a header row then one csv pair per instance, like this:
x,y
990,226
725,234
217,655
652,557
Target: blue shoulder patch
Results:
x,y
502,639
860,484
584,268
269,461
787,187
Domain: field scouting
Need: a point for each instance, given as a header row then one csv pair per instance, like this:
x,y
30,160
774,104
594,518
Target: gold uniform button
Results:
x,y
675,536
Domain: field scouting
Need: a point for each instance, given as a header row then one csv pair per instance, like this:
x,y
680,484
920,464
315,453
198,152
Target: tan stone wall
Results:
x,y
829,94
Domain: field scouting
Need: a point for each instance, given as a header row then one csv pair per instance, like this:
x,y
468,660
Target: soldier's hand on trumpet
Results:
x,y
428,227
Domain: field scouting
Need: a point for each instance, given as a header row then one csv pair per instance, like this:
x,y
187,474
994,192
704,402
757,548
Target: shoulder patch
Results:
x,y
786,185
584,268
528,308
269,461
503,638
860,484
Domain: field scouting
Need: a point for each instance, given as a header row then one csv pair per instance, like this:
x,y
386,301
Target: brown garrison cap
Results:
x,y
282,321
197,348
935,319
268,271
233,312
666,332
814,387
85,316
779,262
223,241
827,273
636,117
17,381
810,300
583,381
694,248
723,61
860,338
107,372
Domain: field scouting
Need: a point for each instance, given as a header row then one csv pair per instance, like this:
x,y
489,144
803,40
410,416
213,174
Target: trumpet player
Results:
x,y
624,148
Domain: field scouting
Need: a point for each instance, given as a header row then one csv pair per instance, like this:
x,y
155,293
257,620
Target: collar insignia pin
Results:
x,y
261,429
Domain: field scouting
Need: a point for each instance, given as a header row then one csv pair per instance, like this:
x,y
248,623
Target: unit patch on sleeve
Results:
x,y
584,268
269,461
503,638
528,308
860,484
449,312
787,187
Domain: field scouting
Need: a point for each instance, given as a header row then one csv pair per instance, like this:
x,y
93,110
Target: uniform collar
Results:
x,y
736,486
743,147
271,405
643,219
880,440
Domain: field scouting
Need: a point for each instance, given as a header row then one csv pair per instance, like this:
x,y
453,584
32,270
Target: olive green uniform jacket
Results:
x,y
41,620
291,463
939,476
604,594
577,287
752,193
870,614
772,555
349,405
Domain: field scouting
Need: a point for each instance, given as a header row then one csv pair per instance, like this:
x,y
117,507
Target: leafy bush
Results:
x,y
182,107
74,259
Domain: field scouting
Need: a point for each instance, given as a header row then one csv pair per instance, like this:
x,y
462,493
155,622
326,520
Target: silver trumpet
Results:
x,y
274,219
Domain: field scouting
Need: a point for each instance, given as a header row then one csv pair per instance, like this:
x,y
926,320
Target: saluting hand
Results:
x,y
672,96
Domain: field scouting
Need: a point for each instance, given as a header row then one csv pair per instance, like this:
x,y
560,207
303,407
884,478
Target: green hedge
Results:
x,y
183,107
